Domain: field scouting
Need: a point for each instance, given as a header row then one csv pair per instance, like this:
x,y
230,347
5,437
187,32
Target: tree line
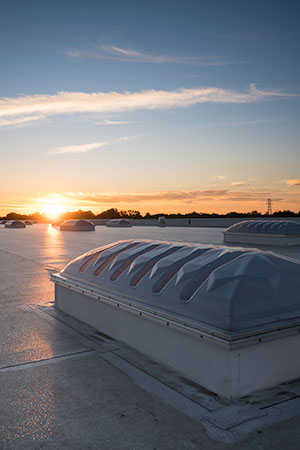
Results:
x,y
114,213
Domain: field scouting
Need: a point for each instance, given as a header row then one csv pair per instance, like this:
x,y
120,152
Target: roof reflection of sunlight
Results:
x,y
38,408
54,244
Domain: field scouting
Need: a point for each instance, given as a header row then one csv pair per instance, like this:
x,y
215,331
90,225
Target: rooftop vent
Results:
x,y
162,221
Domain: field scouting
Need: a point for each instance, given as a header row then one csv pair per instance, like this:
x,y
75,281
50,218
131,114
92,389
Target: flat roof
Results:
x,y
67,386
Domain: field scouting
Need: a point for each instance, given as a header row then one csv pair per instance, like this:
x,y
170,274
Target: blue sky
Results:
x,y
157,106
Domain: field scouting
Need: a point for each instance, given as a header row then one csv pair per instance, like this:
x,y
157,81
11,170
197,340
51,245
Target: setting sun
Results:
x,y
52,207
53,210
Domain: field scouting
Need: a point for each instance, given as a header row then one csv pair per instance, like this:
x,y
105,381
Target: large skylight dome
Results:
x,y
218,315
264,232
77,225
280,227
15,224
231,289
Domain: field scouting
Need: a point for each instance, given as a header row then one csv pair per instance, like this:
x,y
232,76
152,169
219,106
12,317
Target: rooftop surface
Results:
x,y
64,386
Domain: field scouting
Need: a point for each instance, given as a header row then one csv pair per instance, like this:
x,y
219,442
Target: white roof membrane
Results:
x,y
230,289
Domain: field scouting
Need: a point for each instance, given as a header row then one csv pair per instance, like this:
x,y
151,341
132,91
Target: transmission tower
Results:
x,y
269,203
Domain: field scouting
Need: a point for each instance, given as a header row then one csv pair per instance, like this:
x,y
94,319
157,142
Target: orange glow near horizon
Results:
x,y
52,207
53,211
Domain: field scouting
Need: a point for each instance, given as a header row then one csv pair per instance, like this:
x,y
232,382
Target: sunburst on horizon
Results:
x,y
52,207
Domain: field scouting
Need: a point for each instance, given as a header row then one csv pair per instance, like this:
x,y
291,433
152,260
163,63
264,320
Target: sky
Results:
x,y
159,106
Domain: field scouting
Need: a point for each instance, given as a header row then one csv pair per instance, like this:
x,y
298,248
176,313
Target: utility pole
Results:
x,y
269,203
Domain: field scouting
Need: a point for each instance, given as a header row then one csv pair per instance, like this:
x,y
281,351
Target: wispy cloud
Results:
x,y
292,182
113,102
243,123
18,121
249,35
129,54
236,123
116,53
112,122
83,148
239,183
94,198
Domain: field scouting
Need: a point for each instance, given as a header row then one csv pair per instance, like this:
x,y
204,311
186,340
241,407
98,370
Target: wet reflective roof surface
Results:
x,y
58,392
